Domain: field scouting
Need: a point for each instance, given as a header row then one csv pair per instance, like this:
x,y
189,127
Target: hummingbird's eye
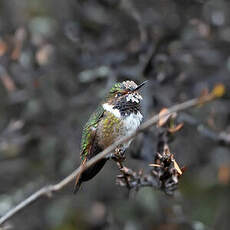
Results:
x,y
119,94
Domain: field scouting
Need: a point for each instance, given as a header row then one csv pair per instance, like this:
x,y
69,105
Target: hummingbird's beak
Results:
x,y
139,86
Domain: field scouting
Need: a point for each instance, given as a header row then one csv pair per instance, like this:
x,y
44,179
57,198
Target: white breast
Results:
x,y
131,123
110,109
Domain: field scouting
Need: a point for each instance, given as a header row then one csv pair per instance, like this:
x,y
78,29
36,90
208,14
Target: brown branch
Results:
x,y
48,190
121,168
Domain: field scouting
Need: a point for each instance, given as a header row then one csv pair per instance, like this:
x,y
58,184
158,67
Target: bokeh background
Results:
x,y
59,58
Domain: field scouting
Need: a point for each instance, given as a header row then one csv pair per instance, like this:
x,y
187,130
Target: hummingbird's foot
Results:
x,y
119,155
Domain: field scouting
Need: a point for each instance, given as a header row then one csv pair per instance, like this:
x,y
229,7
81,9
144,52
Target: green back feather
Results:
x,y
117,87
87,134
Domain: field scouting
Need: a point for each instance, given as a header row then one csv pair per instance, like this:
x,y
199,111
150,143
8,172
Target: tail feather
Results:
x,y
78,178
77,186
88,174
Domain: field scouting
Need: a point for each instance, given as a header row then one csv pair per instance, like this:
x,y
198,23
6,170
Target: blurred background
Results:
x,y
57,61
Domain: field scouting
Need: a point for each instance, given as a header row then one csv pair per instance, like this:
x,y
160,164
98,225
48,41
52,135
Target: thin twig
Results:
x,y
47,190
121,166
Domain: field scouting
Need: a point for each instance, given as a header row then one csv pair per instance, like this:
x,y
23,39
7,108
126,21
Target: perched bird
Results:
x,y
118,115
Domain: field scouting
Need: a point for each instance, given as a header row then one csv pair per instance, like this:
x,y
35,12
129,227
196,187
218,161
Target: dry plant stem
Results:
x,y
121,166
47,190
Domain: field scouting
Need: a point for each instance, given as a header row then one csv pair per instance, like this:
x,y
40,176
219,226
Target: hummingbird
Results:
x,y
117,116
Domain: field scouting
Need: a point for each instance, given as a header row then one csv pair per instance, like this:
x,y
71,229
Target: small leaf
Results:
x,y
155,165
184,169
176,166
163,117
3,48
175,129
224,174
218,90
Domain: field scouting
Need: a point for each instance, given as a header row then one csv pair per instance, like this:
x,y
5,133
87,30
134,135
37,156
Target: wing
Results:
x,y
89,133
88,144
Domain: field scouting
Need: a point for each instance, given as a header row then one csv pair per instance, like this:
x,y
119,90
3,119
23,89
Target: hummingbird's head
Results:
x,y
125,92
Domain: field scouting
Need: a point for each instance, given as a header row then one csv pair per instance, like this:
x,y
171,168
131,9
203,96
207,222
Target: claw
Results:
x,y
118,155
118,158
